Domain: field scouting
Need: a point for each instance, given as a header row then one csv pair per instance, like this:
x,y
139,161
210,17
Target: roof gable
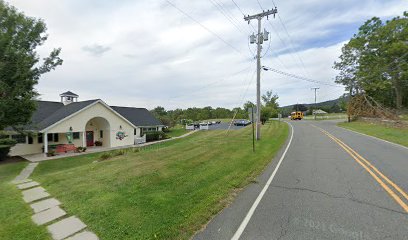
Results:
x,y
138,116
65,111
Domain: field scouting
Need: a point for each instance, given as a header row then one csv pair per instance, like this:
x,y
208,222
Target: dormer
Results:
x,y
68,97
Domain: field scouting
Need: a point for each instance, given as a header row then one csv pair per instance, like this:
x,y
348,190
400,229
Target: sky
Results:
x,y
182,53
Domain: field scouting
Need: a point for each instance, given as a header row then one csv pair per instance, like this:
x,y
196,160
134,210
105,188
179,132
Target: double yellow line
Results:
x,y
373,171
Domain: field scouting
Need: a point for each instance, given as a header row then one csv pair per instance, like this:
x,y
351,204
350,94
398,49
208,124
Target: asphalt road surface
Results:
x,y
331,184
224,126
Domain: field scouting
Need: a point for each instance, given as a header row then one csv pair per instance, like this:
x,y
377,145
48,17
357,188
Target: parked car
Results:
x,y
241,122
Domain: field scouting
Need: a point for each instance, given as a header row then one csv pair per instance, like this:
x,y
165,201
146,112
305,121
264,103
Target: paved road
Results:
x,y
321,192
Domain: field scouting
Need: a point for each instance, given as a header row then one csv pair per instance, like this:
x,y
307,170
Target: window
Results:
x,y
40,138
56,137
101,133
19,138
134,131
75,135
49,137
30,140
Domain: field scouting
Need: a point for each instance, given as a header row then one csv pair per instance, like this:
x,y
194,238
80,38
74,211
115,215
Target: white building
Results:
x,y
65,125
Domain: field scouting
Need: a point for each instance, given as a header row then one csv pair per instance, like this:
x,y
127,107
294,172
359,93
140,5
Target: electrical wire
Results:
x,y
198,90
229,18
204,27
300,77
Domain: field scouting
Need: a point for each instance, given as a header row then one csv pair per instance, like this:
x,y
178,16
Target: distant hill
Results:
x,y
335,105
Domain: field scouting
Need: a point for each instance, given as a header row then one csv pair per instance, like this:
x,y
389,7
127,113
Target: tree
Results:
x,y
299,107
375,61
249,105
20,66
159,111
270,100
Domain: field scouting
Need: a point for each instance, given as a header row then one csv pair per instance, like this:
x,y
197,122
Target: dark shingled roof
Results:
x,y
138,116
48,113
69,93
64,112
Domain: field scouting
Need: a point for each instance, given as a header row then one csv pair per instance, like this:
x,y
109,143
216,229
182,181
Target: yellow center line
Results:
x,y
359,160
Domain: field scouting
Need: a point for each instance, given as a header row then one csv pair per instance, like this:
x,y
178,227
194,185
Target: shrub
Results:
x,y
5,145
105,156
155,135
51,153
119,153
80,149
98,143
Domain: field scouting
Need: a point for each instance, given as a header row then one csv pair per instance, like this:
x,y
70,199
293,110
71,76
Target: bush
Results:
x,y
105,156
51,153
118,153
80,149
5,145
98,143
155,136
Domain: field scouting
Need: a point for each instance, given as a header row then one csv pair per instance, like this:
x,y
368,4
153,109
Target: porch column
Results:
x,y
45,140
83,139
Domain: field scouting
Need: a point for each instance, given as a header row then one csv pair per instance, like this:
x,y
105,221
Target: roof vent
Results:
x,y
68,97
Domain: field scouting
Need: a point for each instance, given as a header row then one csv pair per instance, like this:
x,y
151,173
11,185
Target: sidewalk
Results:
x,y
41,157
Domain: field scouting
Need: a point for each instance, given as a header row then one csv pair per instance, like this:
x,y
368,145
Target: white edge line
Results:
x,y
379,139
251,211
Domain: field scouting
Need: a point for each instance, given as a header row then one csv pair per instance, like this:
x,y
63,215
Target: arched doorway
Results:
x,y
97,132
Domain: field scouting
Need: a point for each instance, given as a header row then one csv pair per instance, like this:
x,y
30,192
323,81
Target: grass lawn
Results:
x,y
396,135
168,191
15,214
177,131
327,116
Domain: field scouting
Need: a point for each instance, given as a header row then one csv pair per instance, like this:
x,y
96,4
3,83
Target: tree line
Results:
x,y
375,62
172,117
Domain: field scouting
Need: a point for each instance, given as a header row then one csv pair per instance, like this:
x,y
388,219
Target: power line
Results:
x,y
197,90
242,13
299,77
289,36
228,17
204,27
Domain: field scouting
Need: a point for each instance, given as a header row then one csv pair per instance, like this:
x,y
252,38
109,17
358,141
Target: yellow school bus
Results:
x,y
296,115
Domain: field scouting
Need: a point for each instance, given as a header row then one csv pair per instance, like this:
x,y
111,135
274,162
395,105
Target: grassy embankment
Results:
x,y
327,116
177,131
392,134
15,214
168,191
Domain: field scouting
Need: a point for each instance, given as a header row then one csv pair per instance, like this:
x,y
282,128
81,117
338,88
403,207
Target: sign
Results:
x,y
250,114
120,135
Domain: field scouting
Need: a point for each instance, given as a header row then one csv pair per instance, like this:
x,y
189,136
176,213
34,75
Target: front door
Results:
x,y
89,138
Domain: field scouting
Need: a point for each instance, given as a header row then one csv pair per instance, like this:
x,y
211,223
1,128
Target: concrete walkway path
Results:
x,y
41,157
47,210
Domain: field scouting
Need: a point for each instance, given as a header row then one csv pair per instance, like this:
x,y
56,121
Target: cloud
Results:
x,y
96,50
155,55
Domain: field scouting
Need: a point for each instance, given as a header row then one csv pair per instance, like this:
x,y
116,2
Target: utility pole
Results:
x,y
314,112
260,38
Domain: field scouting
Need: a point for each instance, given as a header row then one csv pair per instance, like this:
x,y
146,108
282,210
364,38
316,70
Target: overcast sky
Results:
x,y
147,53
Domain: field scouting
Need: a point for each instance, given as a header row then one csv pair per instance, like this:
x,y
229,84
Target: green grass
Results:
x,y
395,135
15,214
167,191
327,116
177,131
404,117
